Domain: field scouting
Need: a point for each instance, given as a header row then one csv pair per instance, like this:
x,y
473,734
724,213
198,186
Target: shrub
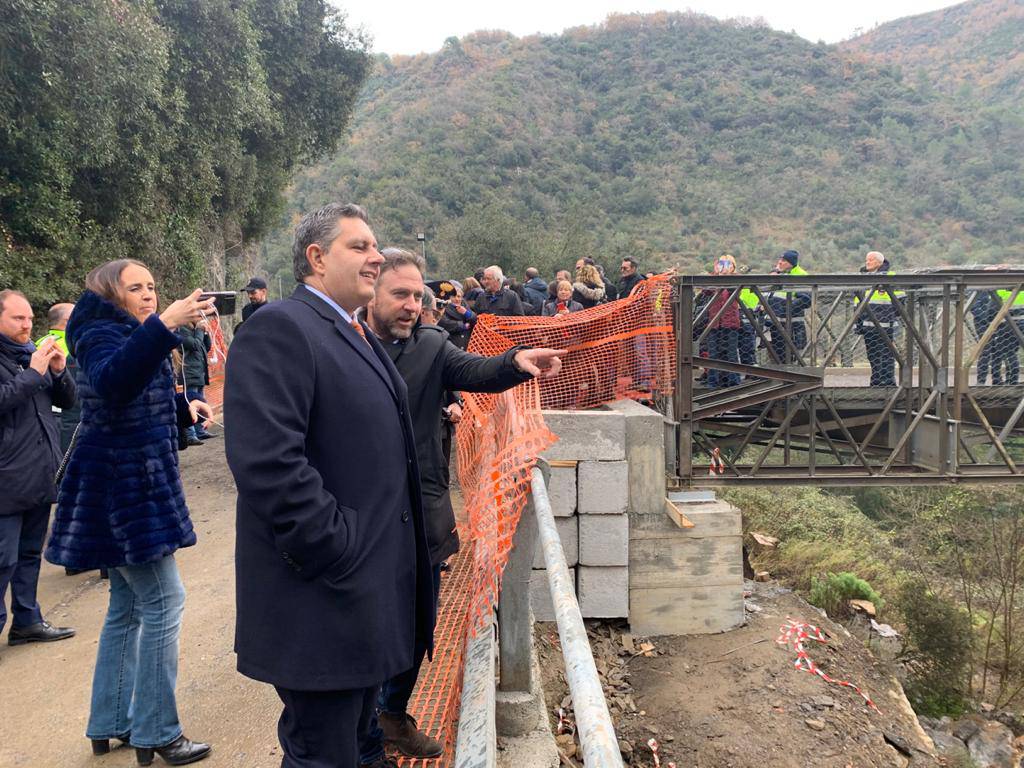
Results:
x,y
939,643
833,593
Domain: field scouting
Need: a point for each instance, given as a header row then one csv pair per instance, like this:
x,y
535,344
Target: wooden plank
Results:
x,y
676,516
563,463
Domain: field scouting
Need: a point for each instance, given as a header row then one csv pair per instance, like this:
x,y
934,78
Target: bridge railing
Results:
x,y
847,379
481,716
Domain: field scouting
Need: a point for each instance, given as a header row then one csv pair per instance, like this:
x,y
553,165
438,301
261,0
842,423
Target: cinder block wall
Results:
x,y
589,491
627,556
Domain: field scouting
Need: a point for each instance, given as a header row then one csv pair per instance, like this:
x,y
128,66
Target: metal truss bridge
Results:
x,y
791,400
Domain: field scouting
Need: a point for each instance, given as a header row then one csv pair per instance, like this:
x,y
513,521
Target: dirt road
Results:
x,y
44,688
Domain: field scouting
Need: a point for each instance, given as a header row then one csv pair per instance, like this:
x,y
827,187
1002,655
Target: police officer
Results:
x,y
789,308
1005,341
882,326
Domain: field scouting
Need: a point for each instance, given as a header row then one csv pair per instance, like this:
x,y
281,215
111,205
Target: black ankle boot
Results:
x,y
181,751
102,746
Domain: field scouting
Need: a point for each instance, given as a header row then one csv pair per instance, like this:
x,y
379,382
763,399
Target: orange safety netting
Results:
x,y
621,349
217,359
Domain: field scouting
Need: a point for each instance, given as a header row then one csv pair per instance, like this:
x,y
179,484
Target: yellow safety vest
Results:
x,y
881,297
59,336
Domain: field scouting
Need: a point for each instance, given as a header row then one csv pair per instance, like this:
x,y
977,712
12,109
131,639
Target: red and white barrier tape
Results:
x,y
795,633
717,466
653,744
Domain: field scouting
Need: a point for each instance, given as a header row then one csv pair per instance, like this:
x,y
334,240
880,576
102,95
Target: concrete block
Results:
x,y
603,592
562,491
645,452
569,534
604,539
713,518
675,611
602,487
598,435
685,563
540,595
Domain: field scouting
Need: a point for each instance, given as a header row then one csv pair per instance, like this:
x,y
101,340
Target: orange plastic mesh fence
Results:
x,y
217,358
436,700
629,343
621,349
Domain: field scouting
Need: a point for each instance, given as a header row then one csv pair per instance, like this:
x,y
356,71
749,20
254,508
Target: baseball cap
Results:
x,y
255,283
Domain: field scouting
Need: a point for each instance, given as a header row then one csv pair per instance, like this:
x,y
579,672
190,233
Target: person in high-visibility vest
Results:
x,y
789,308
884,324
1006,343
748,336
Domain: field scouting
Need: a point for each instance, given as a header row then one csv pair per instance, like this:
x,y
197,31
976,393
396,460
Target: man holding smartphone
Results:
x,y
32,381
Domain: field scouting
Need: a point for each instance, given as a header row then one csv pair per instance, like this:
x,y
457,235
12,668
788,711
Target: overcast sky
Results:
x,y
406,27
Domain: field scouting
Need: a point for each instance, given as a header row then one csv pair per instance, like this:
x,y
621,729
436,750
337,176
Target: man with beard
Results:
x,y
32,380
431,366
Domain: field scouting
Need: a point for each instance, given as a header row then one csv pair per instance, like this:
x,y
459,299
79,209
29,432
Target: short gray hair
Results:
x,y
320,227
496,270
398,257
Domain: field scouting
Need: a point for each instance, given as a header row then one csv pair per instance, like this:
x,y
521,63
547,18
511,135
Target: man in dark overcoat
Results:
x,y
333,575
32,381
431,366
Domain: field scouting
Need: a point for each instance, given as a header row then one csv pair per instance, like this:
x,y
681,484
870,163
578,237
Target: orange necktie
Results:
x,y
358,328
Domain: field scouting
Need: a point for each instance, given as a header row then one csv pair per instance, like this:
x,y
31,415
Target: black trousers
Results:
x,y
21,547
778,341
319,729
883,364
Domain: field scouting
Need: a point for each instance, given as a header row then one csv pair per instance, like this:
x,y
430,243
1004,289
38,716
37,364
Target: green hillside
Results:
x,y
974,48
676,137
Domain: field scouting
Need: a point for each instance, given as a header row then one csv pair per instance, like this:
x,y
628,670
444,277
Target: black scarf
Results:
x,y
19,353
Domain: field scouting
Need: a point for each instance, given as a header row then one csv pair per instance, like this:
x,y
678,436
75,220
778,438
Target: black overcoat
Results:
x,y
333,579
432,365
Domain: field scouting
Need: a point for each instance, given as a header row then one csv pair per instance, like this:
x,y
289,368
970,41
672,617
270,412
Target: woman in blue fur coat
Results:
x,y
121,505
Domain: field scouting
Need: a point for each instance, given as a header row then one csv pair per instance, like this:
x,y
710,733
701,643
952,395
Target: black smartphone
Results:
x,y
224,301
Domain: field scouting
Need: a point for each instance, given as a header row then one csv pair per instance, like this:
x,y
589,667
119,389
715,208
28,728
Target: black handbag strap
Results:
x,y
67,455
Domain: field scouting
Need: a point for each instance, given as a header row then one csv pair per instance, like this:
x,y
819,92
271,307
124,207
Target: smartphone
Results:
x,y
224,301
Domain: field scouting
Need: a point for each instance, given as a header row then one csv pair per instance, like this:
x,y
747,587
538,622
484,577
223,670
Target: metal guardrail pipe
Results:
x,y
476,741
597,735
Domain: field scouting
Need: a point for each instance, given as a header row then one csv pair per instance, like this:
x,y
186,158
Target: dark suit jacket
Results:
x,y
431,366
333,576
29,439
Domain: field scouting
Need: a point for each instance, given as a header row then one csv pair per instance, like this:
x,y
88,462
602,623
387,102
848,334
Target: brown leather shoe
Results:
x,y
400,732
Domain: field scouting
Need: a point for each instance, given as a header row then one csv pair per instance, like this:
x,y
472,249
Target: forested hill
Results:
x,y
966,49
676,137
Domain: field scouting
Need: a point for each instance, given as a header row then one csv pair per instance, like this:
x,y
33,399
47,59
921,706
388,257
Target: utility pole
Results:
x,y
423,244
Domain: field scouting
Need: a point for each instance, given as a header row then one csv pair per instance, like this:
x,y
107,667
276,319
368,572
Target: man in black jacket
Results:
x,y
32,381
195,349
496,298
431,366
630,276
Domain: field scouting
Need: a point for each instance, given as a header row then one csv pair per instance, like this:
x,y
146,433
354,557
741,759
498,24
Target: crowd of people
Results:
x,y
339,406
339,403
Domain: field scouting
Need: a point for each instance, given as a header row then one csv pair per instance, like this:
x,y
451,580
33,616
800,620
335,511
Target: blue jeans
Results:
x,y
396,692
137,661
196,393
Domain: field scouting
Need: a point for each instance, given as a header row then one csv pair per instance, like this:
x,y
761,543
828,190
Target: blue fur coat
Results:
x,y
121,500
